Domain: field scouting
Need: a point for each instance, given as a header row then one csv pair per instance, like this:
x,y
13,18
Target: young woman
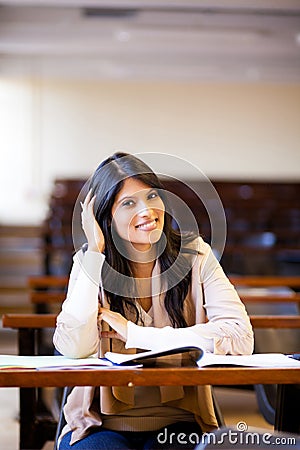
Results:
x,y
138,284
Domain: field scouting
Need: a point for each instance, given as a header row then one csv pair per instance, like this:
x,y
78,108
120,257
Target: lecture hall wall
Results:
x,y
62,128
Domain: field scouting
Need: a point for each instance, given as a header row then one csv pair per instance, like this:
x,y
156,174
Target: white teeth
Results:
x,y
145,226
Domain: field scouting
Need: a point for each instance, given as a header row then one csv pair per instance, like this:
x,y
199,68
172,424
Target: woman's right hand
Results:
x,y
90,226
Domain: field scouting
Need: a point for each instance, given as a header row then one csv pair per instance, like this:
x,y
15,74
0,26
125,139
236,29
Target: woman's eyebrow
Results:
x,y
126,197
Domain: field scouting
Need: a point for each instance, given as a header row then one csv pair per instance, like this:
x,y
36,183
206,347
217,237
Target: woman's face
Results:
x,y
138,214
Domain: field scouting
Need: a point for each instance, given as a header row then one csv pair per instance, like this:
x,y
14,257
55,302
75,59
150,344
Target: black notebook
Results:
x,y
184,354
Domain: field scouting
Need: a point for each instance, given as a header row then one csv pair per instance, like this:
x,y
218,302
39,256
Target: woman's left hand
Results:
x,y
116,321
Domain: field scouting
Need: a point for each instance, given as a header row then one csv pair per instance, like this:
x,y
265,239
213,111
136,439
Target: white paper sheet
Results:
x,y
255,360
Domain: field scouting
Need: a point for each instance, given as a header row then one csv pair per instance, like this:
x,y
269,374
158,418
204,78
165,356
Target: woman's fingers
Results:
x,y
89,224
116,321
88,201
88,197
111,335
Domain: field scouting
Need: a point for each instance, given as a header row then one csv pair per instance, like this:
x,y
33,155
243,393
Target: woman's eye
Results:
x,y
128,203
153,195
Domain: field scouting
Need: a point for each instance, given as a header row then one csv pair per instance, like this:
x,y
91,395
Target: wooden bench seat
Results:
x,y
51,290
265,281
38,321
61,281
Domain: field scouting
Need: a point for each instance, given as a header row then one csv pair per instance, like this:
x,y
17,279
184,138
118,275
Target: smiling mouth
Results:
x,y
147,225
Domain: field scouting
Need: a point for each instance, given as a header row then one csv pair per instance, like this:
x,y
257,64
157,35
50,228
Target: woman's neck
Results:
x,y
142,269
141,260
142,273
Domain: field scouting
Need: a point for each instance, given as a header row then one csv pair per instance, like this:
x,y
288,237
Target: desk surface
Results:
x,y
149,376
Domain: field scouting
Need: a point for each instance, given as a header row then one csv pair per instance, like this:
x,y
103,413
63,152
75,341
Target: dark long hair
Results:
x,y
106,183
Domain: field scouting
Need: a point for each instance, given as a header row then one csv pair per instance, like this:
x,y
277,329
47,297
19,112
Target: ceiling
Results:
x,y
229,40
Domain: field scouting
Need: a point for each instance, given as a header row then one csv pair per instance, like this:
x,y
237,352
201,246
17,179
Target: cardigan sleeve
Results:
x,y
76,334
228,322
228,330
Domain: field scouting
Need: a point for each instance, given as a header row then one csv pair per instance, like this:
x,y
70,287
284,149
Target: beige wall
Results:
x,y
65,128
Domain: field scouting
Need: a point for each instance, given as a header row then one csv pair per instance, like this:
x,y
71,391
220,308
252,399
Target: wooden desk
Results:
x,y
187,376
288,379
29,325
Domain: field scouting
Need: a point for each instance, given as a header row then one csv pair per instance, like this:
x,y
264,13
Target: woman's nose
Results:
x,y
145,210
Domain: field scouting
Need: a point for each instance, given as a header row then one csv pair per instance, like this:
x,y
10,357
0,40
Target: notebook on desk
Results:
x,y
180,356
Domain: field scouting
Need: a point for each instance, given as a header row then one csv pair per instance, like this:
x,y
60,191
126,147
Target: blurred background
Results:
x,y
216,83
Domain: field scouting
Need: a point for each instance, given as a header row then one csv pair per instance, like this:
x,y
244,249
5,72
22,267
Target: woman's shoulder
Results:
x,y
195,245
79,252
84,252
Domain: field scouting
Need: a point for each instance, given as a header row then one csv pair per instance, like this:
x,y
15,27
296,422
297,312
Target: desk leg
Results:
x,y
287,408
36,425
28,432
27,395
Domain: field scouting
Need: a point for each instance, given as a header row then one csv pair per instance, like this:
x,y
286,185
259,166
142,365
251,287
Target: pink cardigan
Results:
x,y
211,295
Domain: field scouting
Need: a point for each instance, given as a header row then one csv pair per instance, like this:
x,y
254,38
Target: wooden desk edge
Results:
x,y
149,377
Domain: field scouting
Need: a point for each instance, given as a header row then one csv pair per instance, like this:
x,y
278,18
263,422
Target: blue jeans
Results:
x,y
180,435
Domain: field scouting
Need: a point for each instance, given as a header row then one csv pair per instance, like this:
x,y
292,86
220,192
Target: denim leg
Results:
x,y
97,440
180,435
